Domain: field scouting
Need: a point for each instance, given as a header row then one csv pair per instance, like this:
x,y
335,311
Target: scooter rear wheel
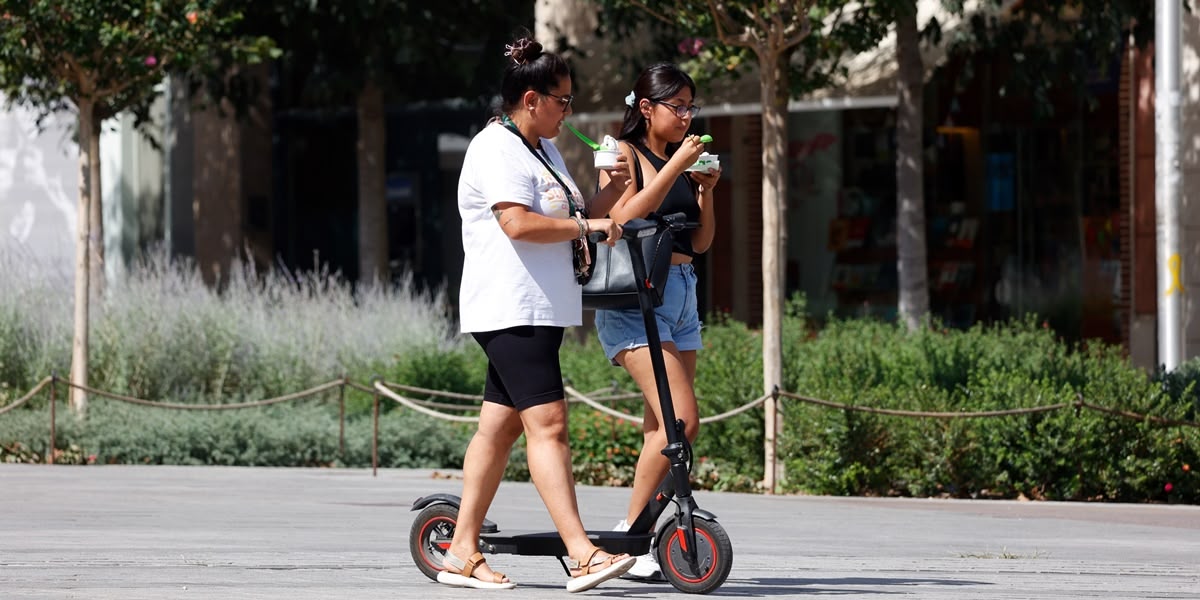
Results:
x,y
714,557
430,535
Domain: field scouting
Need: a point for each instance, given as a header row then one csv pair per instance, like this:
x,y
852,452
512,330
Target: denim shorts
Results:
x,y
678,318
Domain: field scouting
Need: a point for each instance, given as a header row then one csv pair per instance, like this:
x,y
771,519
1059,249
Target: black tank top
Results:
x,y
681,198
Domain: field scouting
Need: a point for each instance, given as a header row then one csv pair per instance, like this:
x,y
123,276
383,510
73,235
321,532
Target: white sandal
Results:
x,y
588,579
463,577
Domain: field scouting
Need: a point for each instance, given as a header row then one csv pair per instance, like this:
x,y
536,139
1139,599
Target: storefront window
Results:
x,y
1020,218
842,212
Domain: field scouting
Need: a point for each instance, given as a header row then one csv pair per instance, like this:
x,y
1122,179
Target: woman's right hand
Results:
x,y
689,151
608,226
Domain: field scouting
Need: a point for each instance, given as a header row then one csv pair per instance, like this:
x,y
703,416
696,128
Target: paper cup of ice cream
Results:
x,y
606,155
706,162
606,159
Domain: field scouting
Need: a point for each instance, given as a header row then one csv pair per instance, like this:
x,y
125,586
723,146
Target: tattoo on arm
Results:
x,y
499,212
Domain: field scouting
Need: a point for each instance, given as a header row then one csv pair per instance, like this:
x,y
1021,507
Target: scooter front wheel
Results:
x,y
714,557
430,535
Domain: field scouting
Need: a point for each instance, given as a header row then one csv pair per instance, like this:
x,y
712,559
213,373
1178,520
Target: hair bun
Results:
x,y
523,50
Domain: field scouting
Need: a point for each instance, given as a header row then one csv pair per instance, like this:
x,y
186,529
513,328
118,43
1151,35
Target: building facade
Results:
x,y
1027,211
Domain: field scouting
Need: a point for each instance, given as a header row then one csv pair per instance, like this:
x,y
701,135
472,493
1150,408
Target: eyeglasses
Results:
x,y
681,111
564,100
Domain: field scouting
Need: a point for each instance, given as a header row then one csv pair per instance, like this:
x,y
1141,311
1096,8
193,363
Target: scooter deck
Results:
x,y
547,543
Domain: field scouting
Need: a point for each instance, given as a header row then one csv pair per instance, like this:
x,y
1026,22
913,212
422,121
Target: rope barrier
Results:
x,y
360,387
383,389
432,408
178,406
615,397
1136,416
736,411
600,407
932,415
479,398
418,390
23,399
638,420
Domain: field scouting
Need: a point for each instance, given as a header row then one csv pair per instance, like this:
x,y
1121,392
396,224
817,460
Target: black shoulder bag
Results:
x,y
581,250
612,285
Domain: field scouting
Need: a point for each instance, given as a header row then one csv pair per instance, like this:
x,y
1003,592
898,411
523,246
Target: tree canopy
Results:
x,y
415,51
98,58
113,53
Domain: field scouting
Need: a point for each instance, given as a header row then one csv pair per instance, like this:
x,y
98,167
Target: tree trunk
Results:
x,y
911,263
372,183
89,164
96,213
774,68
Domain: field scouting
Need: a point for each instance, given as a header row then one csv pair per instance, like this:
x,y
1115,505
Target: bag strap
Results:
x,y
661,235
637,168
509,125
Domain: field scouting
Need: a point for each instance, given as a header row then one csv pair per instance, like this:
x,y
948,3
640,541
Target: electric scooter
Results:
x,y
692,548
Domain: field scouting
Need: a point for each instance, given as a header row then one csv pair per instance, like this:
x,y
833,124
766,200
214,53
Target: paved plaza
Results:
x,y
153,532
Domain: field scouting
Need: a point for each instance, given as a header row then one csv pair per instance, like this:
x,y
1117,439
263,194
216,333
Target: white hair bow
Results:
x,y
629,100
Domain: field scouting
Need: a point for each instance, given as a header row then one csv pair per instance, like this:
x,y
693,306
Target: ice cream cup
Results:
x,y
606,159
706,162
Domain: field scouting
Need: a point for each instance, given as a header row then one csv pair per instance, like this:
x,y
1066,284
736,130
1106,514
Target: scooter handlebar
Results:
x,y
677,221
640,228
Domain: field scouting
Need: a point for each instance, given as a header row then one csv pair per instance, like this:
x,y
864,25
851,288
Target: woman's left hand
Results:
x,y
619,176
706,179
610,228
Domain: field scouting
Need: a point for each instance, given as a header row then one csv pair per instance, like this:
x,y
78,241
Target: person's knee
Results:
x,y
691,427
501,436
658,437
552,431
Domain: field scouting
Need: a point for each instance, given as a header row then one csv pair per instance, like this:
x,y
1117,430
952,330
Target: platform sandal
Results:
x,y
593,571
465,569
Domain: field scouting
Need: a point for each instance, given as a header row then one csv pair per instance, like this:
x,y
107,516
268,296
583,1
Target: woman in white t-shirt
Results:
x,y
521,214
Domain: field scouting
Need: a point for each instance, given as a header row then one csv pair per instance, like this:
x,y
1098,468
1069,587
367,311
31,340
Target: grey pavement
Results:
x,y
132,532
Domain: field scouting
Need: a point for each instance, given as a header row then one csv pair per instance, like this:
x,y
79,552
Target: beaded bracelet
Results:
x,y
583,229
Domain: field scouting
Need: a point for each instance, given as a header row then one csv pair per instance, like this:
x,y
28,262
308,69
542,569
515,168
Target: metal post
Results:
x,y
53,403
772,422
375,439
1167,183
342,416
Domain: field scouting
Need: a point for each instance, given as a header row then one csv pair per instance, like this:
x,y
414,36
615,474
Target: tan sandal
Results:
x,y
593,571
466,568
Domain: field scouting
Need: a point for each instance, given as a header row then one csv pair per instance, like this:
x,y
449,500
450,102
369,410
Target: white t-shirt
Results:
x,y
505,282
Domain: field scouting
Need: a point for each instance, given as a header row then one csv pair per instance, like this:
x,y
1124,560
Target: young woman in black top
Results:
x,y
658,114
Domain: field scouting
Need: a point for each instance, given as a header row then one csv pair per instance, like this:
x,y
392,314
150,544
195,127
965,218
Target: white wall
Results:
x,y
39,186
131,179
39,189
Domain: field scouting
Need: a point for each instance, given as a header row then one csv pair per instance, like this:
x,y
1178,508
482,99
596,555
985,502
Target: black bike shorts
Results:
x,y
523,368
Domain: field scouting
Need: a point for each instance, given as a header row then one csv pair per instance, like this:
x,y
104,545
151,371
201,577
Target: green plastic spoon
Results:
x,y
706,139
580,135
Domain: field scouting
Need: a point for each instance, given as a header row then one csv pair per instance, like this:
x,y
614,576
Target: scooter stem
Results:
x,y
676,449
